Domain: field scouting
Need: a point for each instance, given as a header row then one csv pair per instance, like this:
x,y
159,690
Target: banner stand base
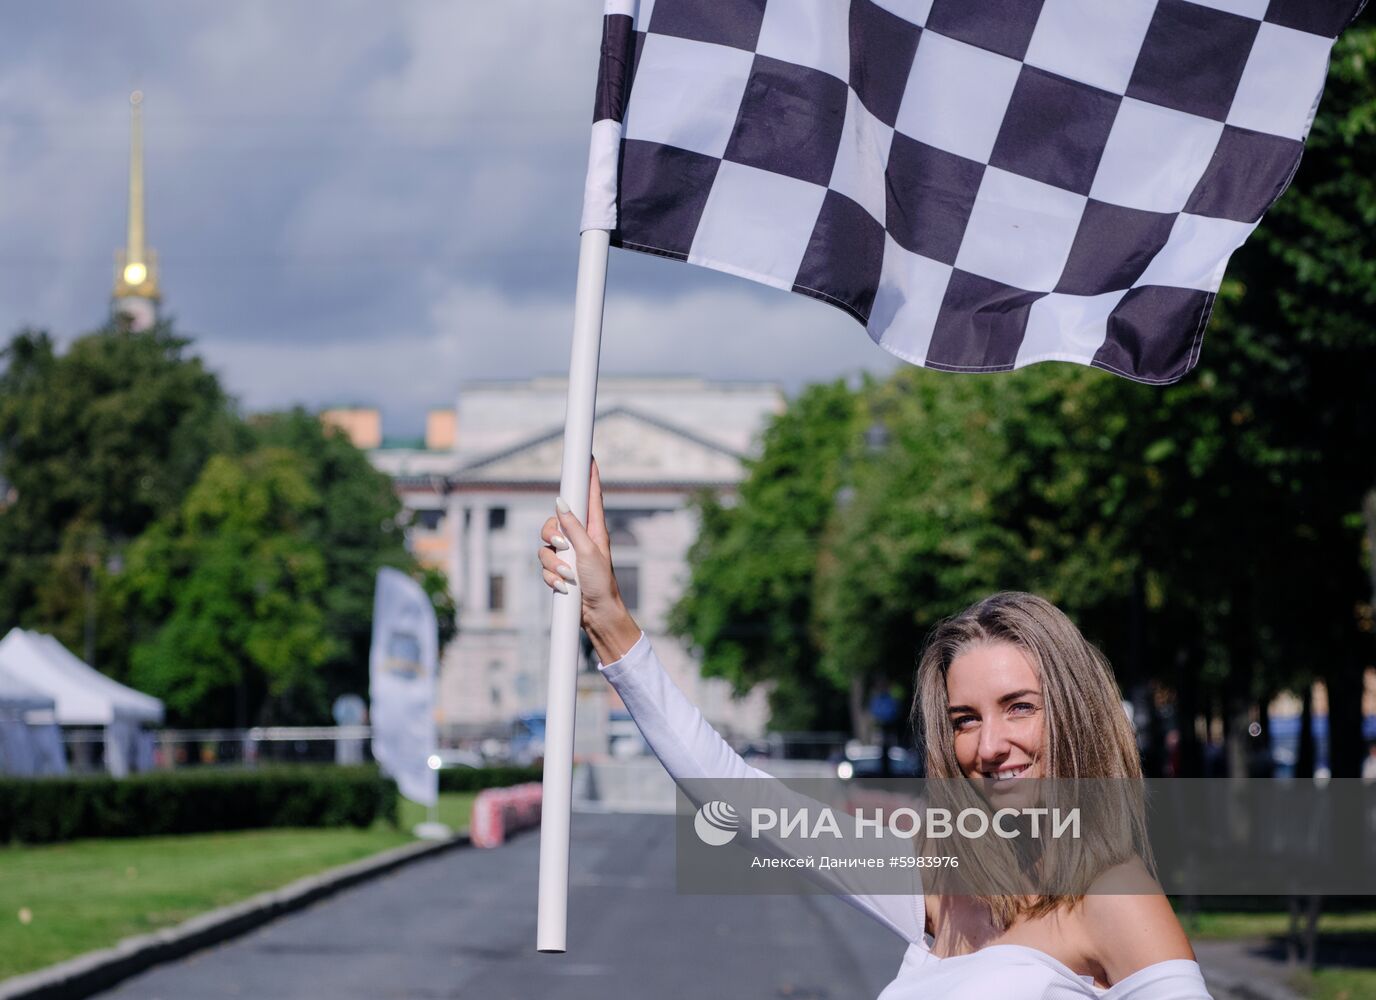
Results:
x,y
431,831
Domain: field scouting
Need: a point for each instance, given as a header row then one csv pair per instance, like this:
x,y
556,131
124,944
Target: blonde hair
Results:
x,y
1086,735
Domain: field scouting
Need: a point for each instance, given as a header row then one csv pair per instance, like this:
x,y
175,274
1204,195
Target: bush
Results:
x,y
475,779
46,810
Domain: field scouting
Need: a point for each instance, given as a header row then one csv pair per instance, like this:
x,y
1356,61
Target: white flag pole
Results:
x,y
556,802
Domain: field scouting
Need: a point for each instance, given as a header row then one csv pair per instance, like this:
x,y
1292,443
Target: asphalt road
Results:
x,y
463,925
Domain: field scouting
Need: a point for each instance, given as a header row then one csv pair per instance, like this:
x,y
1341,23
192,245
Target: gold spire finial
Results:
x,y
136,267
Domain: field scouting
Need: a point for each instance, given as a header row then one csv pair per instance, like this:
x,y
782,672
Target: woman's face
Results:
x,y
996,708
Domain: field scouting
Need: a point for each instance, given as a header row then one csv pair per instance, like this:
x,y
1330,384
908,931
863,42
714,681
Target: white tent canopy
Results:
x,y
82,695
30,743
17,697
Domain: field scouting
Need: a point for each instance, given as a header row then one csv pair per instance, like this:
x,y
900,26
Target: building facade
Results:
x,y
481,489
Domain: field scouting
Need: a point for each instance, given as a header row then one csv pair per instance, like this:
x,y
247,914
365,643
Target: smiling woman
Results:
x,y
1011,683
1010,696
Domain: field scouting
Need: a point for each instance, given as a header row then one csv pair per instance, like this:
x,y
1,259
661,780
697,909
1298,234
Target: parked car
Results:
x,y
757,750
867,762
528,738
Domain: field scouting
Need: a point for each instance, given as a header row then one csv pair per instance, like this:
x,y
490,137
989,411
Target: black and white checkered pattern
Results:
x,y
984,184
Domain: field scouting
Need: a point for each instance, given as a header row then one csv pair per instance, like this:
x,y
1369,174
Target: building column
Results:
x,y
476,598
453,523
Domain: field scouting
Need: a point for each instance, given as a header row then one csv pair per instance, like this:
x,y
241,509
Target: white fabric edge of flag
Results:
x,y
599,190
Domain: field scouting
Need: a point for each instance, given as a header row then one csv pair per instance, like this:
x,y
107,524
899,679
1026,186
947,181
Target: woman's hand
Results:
x,y
604,616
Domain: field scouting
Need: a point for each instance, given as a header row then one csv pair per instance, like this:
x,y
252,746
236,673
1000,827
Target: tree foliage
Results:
x,y
95,443
233,586
749,607
359,529
1208,535
225,565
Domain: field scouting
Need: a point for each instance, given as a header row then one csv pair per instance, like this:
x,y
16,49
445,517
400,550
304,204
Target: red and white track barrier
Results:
x,y
500,811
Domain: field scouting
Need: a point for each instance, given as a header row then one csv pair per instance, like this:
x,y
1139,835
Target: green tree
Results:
x,y
254,602
1308,295
236,587
112,541
96,443
748,605
1247,507
359,527
1208,535
980,484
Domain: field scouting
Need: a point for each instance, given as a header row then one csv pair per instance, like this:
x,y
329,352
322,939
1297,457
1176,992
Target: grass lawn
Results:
x,y
1331,983
454,809
1225,926
60,900
1339,984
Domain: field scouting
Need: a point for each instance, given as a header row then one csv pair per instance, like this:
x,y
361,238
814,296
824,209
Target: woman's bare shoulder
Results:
x,y
1129,924
1130,877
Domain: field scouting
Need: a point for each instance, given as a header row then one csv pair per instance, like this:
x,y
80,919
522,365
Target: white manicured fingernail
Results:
x,y
566,573
561,586
562,507
559,542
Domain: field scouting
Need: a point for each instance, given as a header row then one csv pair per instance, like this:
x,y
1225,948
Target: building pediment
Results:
x,y
631,447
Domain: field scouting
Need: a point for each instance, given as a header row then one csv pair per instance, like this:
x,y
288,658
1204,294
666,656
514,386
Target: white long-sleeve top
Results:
x,y
689,747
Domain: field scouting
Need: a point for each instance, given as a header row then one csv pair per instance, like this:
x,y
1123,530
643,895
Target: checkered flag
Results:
x,y
984,184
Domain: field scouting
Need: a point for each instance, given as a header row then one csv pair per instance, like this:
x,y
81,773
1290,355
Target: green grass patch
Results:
x,y
1225,926
1338,984
1345,926
59,900
455,808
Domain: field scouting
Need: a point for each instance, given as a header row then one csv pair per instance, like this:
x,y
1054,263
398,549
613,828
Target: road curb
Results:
x,y
94,971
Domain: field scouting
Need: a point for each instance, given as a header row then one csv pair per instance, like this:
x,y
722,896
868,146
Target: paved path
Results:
x,y
463,925
1244,970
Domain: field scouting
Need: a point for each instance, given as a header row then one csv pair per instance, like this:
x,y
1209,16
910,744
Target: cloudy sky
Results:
x,y
353,200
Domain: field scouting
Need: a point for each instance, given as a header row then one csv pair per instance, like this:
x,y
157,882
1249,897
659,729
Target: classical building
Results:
x,y
134,302
483,484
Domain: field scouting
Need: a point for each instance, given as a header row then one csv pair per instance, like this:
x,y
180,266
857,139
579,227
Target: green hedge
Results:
x,y
475,779
46,810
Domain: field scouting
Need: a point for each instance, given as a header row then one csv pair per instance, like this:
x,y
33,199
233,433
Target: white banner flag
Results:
x,y
402,668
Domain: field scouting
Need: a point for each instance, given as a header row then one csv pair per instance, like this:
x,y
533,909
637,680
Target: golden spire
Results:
x,y
136,272
135,245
